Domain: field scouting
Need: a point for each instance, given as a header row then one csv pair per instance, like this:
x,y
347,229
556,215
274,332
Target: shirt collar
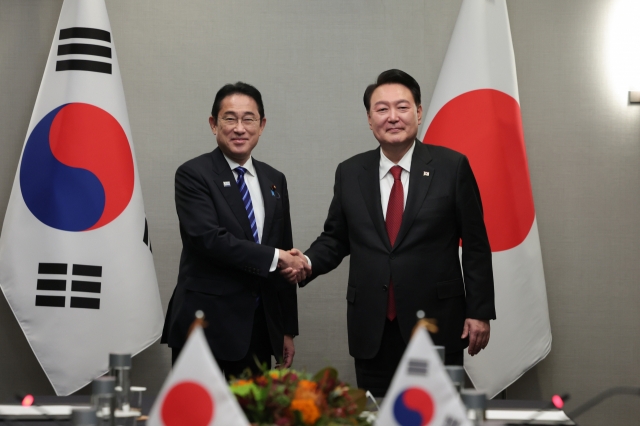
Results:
x,y
405,162
248,165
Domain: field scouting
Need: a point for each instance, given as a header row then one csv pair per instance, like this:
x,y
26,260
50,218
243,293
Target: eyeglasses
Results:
x,y
247,122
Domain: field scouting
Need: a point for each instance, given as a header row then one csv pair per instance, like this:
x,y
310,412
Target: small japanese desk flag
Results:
x,y
196,393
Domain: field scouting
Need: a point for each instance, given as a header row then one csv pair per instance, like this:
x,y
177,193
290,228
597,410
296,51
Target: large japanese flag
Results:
x,y
421,392
75,258
475,110
196,393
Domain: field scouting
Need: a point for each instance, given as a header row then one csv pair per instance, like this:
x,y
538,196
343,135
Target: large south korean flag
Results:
x,y
475,110
75,258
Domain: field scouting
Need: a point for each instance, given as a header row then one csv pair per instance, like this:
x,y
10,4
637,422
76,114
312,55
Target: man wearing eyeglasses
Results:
x,y
235,228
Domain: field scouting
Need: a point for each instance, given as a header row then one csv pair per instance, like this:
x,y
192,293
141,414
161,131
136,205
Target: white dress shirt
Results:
x,y
253,185
386,178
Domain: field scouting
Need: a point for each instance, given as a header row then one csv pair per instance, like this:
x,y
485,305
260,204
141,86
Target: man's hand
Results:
x,y
478,332
288,351
293,266
306,271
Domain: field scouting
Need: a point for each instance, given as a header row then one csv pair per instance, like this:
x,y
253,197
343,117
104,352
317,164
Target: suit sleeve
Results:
x,y
476,251
328,250
201,231
287,292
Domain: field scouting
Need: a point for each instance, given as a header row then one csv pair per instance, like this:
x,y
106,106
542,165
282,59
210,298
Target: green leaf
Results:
x,y
359,397
332,374
243,390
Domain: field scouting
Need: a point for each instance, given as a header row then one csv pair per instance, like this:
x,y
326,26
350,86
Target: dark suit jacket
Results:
x,y
222,270
441,209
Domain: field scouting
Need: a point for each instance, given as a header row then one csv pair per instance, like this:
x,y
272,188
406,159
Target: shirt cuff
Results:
x,y
308,261
274,262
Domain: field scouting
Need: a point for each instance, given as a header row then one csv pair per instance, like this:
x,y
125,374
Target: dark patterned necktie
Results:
x,y
395,208
246,199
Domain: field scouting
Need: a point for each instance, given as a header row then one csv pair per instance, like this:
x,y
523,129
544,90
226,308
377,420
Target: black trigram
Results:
x,y
145,237
450,421
87,48
79,283
417,367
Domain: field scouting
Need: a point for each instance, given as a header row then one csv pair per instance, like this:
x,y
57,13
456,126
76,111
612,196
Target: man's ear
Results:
x,y
212,124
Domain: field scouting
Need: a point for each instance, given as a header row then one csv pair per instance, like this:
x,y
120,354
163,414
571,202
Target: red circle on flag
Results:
x,y
420,401
485,125
187,403
87,137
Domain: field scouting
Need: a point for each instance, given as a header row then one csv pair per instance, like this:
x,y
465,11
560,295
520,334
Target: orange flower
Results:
x,y
307,408
306,390
242,382
308,385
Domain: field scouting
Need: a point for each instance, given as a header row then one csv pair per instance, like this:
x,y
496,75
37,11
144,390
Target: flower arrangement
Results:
x,y
293,398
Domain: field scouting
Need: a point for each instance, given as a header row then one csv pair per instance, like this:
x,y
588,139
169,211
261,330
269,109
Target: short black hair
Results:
x,y
391,77
232,89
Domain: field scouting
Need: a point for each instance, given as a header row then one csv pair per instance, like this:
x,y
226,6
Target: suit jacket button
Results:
x,y
391,257
385,287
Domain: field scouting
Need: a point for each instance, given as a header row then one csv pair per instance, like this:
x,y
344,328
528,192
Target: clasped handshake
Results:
x,y
293,266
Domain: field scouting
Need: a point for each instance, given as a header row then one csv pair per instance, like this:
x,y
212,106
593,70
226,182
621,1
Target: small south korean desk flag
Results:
x,y
196,393
421,392
75,256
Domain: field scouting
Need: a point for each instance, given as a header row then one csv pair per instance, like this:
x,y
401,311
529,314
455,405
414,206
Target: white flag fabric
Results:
x,y
196,393
475,110
75,257
421,392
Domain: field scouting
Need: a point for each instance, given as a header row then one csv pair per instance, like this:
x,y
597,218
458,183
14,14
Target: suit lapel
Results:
x,y
226,182
369,181
269,199
419,182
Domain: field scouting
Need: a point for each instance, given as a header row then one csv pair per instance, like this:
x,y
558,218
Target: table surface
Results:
x,y
533,407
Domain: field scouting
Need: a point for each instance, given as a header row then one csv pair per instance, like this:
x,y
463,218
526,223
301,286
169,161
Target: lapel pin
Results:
x,y
426,174
274,193
226,183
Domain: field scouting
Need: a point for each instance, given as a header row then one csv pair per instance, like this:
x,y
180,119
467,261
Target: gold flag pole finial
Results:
x,y
198,322
430,324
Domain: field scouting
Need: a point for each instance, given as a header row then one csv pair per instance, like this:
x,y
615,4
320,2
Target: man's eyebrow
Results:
x,y
234,113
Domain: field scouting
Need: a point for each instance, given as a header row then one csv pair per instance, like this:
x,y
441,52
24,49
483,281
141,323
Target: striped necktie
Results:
x,y
246,199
